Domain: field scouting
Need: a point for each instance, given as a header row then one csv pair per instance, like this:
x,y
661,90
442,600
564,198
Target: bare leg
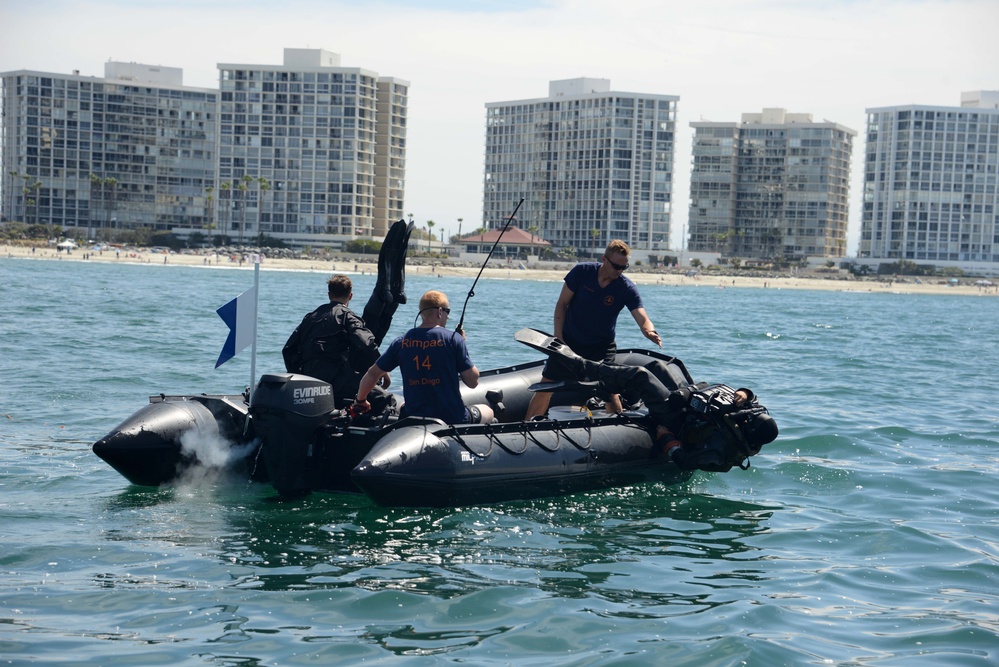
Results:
x,y
613,405
486,413
539,403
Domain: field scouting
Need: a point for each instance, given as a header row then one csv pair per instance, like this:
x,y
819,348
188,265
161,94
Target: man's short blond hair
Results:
x,y
433,299
617,246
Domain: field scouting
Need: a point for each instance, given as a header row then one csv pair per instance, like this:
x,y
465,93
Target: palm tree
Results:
x,y
264,186
13,173
37,185
225,188
594,234
534,230
210,200
110,183
430,232
95,182
242,209
243,187
26,193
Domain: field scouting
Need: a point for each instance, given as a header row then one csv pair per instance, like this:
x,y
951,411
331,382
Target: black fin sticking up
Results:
x,y
390,285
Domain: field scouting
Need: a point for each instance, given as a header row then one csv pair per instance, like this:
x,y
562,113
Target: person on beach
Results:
x,y
431,360
332,343
586,313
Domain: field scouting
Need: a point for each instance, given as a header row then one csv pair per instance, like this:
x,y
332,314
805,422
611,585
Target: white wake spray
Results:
x,y
216,456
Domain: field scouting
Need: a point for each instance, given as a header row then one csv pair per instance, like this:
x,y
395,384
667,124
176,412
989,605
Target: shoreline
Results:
x,y
935,285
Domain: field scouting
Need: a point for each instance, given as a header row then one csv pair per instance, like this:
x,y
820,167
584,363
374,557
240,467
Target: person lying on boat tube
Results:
x,y
719,427
432,360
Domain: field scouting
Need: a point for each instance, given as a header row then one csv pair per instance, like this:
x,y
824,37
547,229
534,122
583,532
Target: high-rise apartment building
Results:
x,y
327,143
135,148
592,165
775,186
931,188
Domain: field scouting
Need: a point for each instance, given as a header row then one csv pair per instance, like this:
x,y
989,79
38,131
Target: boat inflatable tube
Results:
x,y
426,463
147,448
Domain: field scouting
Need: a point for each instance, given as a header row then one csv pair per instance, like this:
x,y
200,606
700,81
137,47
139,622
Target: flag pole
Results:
x,y
256,307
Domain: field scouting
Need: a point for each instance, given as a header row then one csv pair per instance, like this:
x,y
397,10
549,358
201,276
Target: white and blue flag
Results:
x,y
239,315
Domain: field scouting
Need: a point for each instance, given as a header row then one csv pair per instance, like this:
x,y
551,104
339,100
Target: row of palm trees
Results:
x,y
105,186
227,190
29,191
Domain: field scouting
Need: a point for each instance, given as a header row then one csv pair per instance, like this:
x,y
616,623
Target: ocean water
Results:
x,y
867,534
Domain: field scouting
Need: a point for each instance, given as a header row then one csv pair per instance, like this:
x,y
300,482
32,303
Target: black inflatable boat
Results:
x,y
289,431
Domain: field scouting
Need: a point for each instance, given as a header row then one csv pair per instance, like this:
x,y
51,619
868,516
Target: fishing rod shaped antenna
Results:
x,y
471,292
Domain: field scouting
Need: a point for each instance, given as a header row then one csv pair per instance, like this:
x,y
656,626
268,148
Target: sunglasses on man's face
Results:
x,y
617,267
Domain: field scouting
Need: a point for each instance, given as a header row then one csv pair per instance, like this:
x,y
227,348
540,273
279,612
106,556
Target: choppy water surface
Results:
x,y
865,535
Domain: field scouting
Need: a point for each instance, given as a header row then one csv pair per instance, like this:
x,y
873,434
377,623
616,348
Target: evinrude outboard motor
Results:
x,y
288,411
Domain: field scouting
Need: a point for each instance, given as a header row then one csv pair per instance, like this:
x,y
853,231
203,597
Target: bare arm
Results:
x,y
561,309
645,324
368,382
470,377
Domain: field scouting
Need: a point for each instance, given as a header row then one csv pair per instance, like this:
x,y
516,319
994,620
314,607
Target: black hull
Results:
x,y
306,445
158,443
419,466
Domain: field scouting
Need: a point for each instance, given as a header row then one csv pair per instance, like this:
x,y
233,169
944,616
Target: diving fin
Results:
x,y
396,264
389,289
555,348
392,263
564,385
543,342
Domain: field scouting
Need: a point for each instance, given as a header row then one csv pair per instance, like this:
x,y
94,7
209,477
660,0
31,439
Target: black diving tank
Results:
x,y
288,410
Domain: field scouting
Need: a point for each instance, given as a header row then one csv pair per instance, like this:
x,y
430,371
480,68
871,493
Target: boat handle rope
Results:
x,y
457,437
528,433
494,437
589,433
559,428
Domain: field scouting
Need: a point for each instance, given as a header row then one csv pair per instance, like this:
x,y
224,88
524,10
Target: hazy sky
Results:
x,y
830,58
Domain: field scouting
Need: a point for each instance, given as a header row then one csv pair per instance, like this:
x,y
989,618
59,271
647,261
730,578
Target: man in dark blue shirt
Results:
x,y
586,317
431,360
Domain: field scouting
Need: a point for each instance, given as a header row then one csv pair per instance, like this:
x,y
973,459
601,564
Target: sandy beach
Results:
x,y
840,282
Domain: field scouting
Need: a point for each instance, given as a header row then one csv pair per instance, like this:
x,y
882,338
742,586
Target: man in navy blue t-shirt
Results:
x,y
431,360
586,313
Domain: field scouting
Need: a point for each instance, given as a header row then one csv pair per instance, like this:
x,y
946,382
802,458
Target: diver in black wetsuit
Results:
x,y
719,427
332,343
